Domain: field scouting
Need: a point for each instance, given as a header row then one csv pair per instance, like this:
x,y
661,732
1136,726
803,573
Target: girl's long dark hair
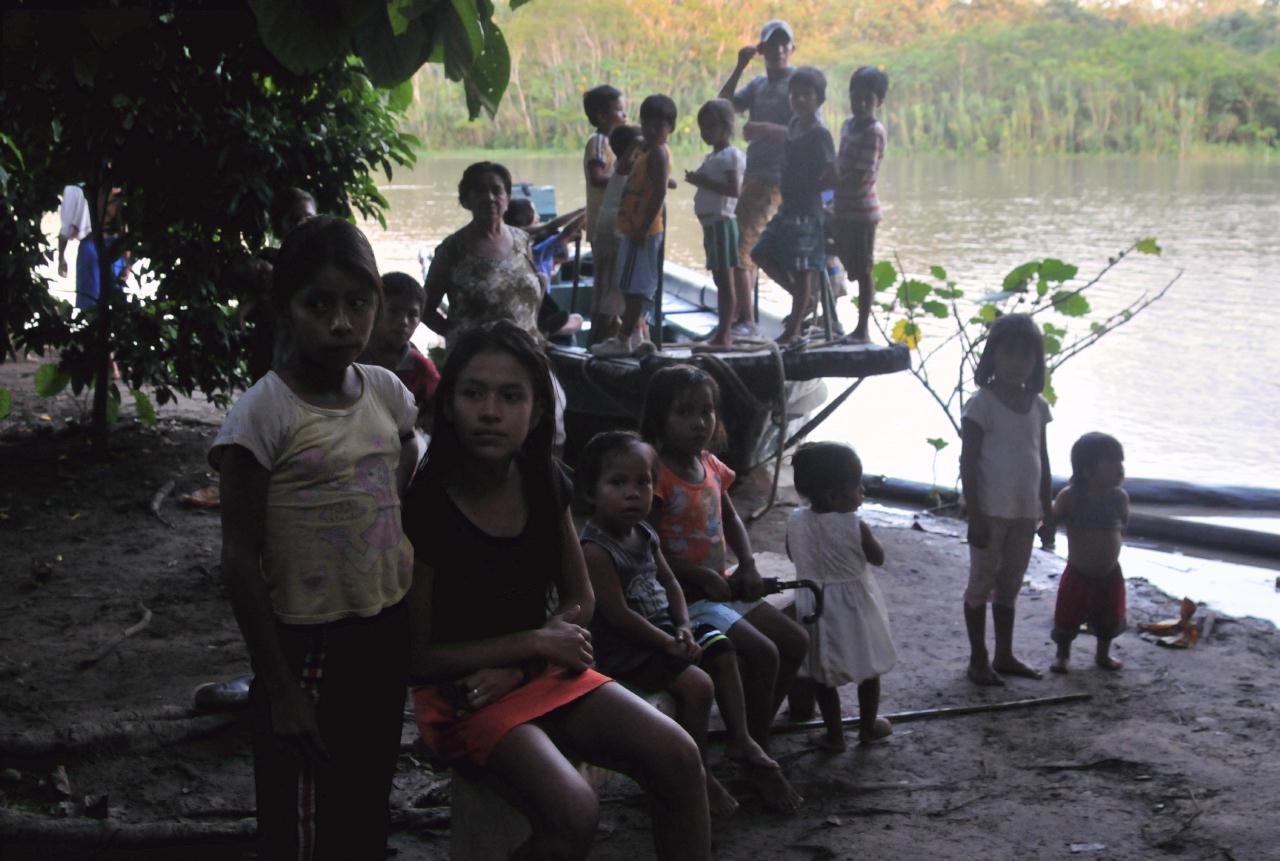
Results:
x,y
536,462
1019,332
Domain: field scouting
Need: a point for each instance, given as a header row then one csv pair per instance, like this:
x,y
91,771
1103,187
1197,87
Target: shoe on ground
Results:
x,y
745,330
231,695
612,348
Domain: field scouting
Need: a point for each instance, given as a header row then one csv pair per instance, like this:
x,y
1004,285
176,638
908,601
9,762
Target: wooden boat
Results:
x,y
770,398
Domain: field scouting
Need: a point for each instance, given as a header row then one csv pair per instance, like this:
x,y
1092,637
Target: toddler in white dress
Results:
x,y
830,544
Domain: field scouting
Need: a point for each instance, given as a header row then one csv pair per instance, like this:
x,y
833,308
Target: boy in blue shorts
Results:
x,y
790,249
641,226
718,181
857,207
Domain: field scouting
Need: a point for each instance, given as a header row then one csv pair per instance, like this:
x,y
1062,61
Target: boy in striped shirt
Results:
x,y
857,207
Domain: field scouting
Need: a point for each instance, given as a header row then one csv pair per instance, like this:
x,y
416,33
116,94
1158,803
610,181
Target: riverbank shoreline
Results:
x,y
1174,754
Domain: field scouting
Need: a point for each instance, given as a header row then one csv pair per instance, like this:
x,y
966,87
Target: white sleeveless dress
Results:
x,y
851,642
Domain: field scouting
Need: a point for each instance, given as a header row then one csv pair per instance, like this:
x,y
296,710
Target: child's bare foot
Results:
x,y
1011,666
1106,662
721,803
832,742
879,731
778,795
749,753
982,674
1059,664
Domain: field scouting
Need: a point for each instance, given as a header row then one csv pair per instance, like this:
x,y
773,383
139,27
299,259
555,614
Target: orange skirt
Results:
x,y
458,735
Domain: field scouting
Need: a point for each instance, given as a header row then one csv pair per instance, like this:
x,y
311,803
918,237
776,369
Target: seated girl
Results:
x,y
505,693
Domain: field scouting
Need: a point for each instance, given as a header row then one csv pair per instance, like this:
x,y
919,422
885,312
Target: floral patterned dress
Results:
x,y
482,289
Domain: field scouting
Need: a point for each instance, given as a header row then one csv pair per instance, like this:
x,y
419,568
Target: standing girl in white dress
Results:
x,y
829,543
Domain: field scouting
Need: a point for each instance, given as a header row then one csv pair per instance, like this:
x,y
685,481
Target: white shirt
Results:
x,y
74,213
719,167
1009,463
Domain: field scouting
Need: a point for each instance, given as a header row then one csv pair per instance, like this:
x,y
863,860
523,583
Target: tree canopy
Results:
x,y
200,113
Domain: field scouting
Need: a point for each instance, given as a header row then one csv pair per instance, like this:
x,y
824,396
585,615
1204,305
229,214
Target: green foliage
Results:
x,y
50,380
1017,77
938,443
146,412
1069,322
6,403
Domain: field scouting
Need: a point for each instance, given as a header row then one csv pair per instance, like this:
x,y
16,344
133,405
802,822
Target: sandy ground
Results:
x,y
1174,756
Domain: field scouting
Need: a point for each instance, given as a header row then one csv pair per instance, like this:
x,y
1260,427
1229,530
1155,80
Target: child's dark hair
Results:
x,y
283,203
447,452
520,212
599,450
658,107
666,387
597,99
325,240
471,178
623,138
1090,450
719,110
824,469
400,285
1012,331
871,79
808,76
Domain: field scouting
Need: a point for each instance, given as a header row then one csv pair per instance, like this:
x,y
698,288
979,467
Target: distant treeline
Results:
x,y
1006,76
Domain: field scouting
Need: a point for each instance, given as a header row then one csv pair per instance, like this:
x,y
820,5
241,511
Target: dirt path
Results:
x,y
1173,756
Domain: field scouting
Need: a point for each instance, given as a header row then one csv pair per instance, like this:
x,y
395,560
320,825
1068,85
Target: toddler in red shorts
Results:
x,y
1095,510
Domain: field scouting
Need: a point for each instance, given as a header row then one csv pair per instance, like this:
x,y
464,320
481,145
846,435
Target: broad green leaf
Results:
x,y
1049,394
300,35
1070,303
1097,328
50,380
948,292
938,272
113,405
6,403
1052,345
1050,329
938,443
146,412
912,292
1052,269
463,38
883,274
905,332
1020,276
937,309
1148,246
988,313
17,153
391,59
487,78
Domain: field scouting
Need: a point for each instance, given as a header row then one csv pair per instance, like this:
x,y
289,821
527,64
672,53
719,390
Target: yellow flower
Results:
x,y
906,333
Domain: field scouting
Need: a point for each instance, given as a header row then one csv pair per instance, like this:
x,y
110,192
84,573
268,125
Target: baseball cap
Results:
x,y
772,27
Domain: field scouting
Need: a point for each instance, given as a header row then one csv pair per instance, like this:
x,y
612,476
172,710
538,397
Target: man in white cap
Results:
x,y
766,102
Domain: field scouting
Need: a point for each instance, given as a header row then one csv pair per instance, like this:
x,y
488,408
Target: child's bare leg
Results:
x,y
692,691
1063,657
871,727
759,662
1004,662
1103,658
562,807
865,293
741,747
832,717
742,296
792,641
975,623
726,305
801,290
615,728
633,309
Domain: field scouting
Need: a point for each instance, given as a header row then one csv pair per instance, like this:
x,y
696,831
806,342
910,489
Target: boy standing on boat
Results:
x,y
606,110
718,181
857,207
642,227
765,101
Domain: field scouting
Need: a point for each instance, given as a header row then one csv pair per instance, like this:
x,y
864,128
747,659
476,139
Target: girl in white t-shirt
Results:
x,y
1004,465
315,560
718,181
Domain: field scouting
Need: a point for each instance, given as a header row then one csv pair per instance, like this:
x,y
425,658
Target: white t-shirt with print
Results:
x,y
712,206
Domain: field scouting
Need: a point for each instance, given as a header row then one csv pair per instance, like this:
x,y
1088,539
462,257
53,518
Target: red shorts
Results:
x,y
455,735
1099,601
